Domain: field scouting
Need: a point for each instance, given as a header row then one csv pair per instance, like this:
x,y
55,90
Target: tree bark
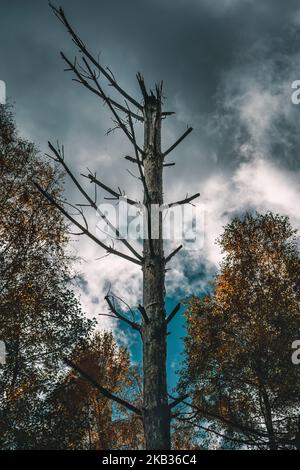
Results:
x,y
156,411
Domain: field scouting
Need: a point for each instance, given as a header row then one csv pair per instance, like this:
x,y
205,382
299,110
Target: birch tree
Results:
x,y
239,369
40,317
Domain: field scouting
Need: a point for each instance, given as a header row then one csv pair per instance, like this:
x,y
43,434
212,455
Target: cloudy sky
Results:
x,y
227,67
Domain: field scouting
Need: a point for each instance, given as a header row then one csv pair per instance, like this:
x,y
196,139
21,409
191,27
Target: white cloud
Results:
x,y
258,184
120,276
254,99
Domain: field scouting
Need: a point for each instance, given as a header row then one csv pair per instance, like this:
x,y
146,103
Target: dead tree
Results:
x,y
150,161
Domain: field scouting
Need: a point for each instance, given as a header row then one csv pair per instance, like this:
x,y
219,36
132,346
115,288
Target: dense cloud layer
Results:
x,y
227,67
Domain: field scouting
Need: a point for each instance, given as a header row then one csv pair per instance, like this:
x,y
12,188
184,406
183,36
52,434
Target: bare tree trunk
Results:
x,y
156,411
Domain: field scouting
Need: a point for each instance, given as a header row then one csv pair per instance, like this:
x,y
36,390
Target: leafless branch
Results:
x,y
119,121
83,229
173,313
168,258
133,325
167,113
209,429
83,78
187,132
168,164
132,160
60,158
101,389
114,296
59,13
109,190
177,401
226,421
138,160
141,82
187,200
99,91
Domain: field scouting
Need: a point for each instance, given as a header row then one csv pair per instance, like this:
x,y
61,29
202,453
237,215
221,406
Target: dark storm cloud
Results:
x,y
188,44
227,67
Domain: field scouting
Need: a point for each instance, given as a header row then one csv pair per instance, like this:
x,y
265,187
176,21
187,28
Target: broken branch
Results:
x,y
187,132
168,258
144,314
173,313
187,200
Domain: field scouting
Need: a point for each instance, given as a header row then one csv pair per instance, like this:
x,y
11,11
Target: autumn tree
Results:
x,y
40,318
79,417
127,112
239,370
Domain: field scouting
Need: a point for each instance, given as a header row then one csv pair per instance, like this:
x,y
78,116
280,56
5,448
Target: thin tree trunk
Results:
x,y
268,419
156,412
